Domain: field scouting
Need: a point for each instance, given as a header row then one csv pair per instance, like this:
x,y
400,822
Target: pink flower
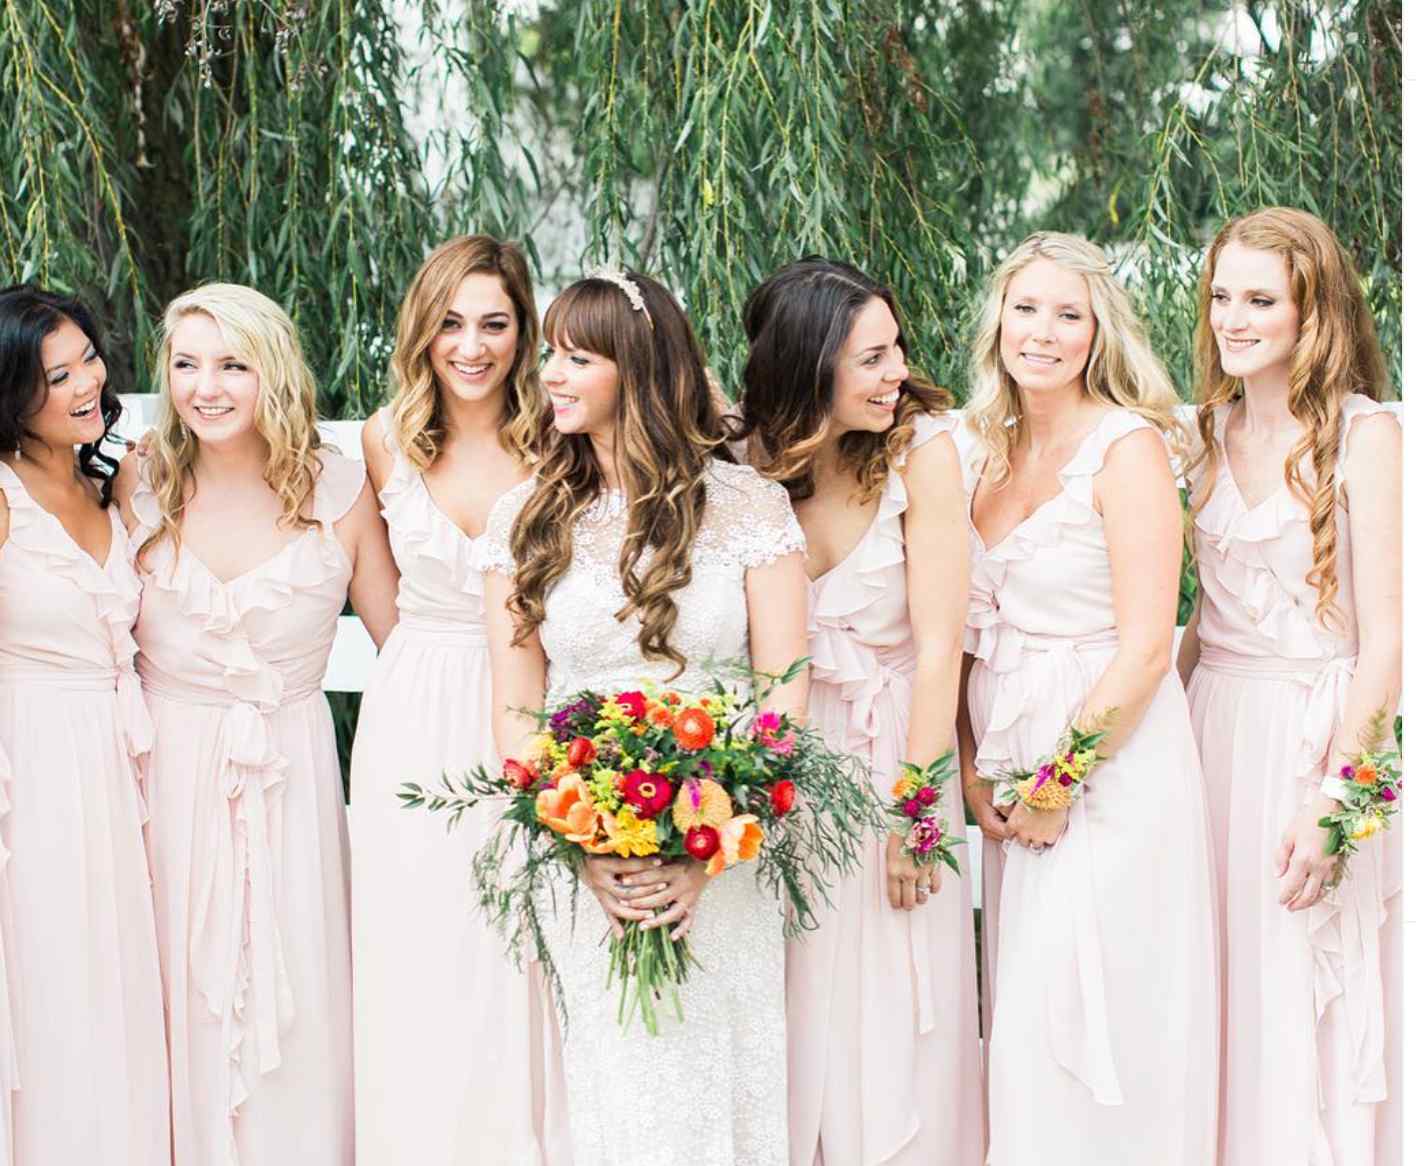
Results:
x,y
924,836
1388,794
1348,772
648,793
912,808
926,795
782,745
768,722
1064,781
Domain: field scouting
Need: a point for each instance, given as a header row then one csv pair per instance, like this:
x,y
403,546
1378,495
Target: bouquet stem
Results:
x,y
649,965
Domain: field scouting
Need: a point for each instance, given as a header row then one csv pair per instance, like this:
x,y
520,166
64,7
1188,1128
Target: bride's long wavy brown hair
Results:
x,y
667,430
1337,353
797,320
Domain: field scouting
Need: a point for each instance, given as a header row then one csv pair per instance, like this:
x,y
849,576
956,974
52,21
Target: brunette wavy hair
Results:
x,y
797,321
1121,367
419,426
1337,353
27,315
261,333
667,431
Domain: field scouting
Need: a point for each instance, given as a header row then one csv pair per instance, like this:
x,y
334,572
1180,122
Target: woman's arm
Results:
x,y
125,482
937,588
1140,511
1189,654
1373,468
518,670
378,462
776,626
374,585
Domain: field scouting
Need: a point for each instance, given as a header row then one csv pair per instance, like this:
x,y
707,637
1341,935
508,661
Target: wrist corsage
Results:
x,y
916,795
1057,780
1368,791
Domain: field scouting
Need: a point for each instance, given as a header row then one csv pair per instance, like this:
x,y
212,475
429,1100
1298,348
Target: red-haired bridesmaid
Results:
x,y
1297,497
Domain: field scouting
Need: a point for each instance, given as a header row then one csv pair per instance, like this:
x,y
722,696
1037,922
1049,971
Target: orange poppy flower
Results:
x,y
739,840
693,729
567,809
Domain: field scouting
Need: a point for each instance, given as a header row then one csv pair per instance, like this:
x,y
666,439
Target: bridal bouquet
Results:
x,y
709,776
1368,790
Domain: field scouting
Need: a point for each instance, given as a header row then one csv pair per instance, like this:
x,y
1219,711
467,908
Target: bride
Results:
x,y
638,552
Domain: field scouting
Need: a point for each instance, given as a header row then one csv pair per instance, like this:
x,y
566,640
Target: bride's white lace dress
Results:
x,y
712,1089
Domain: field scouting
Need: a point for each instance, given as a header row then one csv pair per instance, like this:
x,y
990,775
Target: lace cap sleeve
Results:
x,y
496,540
764,528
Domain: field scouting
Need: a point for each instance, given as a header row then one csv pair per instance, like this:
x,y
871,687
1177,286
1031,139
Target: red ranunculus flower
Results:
x,y
648,793
633,703
516,773
701,842
783,797
580,751
693,729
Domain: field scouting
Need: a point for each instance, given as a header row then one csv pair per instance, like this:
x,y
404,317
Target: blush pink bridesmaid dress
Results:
x,y
249,851
1312,1034
449,1034
882,1006
83,1061
1105,1025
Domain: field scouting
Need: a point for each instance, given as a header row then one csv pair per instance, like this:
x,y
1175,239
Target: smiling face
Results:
x,y
584,389
475,346
869,370
69,411
214,388
1253,313
1047,327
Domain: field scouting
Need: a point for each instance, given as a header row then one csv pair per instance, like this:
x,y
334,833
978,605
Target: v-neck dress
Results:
x,y
1312,1029
448,1033
249,852
1105,1025
883,1057
83,1060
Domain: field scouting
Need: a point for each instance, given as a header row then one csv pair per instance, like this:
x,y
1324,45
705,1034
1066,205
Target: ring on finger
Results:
x,y
1037,847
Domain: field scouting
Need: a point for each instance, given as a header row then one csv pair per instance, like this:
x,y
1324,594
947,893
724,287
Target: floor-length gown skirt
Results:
x,y
250,869
80,947
451,1038
1312,1049
1104,1041
883,1037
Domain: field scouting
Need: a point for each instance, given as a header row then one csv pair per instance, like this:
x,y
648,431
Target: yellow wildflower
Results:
x,y
632,835
1366,827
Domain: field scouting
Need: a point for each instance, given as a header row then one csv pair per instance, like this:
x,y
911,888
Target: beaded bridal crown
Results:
x,y
617,276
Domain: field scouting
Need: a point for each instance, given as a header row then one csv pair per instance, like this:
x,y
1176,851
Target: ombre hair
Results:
x,y
797,321
668,429
1121,368
419,426
262,335
1337,353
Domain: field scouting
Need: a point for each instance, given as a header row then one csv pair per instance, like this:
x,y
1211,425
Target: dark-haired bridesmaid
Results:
x,y
1295,646
882,1007
83,1064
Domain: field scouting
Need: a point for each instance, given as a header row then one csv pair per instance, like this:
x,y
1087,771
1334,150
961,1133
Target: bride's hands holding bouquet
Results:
x,y
619,884
682,882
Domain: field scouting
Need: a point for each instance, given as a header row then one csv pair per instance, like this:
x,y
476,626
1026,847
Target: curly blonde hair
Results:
x,y
1337,353
797,321
1121,368
260,333
418,421
668,429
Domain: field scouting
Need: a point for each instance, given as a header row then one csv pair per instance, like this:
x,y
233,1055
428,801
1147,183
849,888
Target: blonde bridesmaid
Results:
x,y
882,1009
83,1063
1296,644
1104,1036
249,536
448,1032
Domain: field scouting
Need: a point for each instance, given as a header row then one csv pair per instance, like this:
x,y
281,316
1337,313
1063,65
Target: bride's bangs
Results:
x,y
586,316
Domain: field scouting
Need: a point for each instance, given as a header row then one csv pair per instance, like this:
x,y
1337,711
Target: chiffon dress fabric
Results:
x,y
1104,1037
449,1035
882,1008
83,1060
1313,1026
711,1088
249,852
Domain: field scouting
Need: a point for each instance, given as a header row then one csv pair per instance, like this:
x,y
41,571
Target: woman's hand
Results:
x,y
1036,829
619,884
676,886
991,819
1300,862
907,883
